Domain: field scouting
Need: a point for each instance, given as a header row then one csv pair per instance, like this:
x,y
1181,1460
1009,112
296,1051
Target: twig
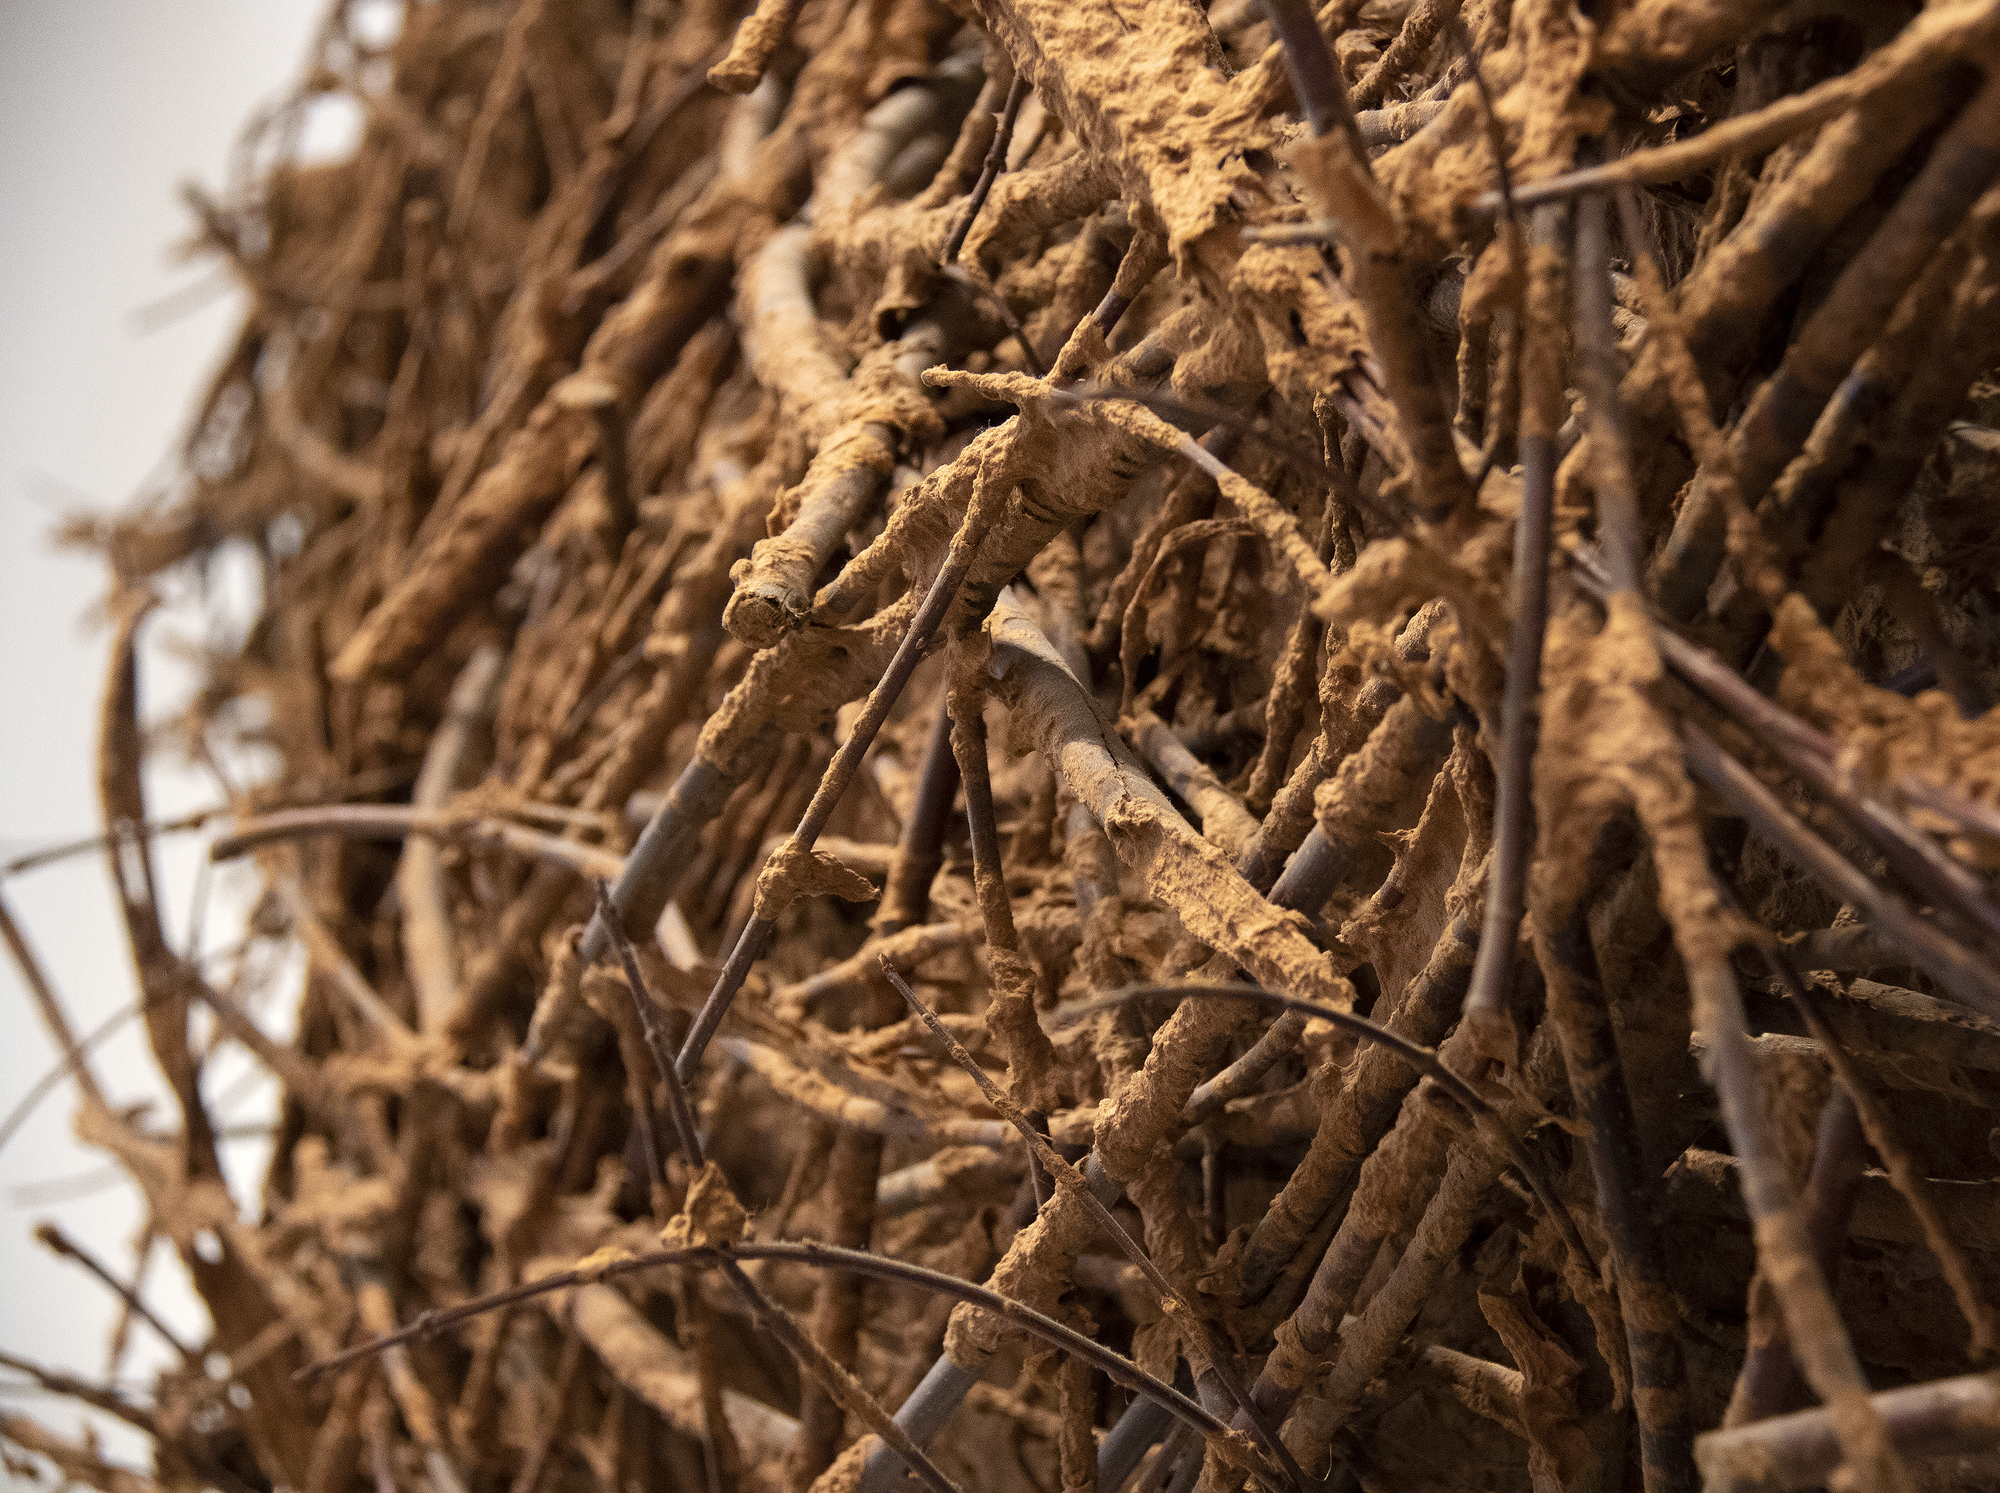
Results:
x,y
397,821
1898,926
1811,754
1784,1251
1755,133
1881,1133
854,1170
657,1040
842,1385
816,1256
1341,186
1031,1061
74,1053
429,949
54,1239
1072,1180
1803,1450
920,850
759,931
1520,724
1579,1009
1769,1379
34,860
996,162
1417,1056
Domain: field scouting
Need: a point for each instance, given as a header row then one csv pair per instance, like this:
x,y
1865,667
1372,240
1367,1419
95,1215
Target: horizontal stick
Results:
x,y
1802,1450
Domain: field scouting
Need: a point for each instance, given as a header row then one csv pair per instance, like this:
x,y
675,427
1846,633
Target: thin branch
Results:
x,y
838,1382
1421,1058
1895,922
55,1240
819,1257
996,162
1070,1178
657,1040
396,821
985,510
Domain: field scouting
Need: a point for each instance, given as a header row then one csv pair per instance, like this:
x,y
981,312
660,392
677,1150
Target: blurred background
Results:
x,y
107,335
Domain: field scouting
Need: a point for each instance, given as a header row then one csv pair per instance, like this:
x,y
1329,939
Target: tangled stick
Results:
x,y
1421,537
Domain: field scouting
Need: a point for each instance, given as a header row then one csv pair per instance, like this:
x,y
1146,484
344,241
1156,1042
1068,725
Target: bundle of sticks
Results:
x,y
1098,747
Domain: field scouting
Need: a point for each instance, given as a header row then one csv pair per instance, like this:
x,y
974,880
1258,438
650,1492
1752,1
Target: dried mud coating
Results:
x,y
1056,501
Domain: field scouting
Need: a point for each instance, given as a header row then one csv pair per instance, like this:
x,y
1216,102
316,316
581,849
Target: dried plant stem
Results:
x,y
820,1257
1769,1379
396,822
996,162
853,1171
1218,1353
1803,1450
657,1040
757,934
1909,1183
1579,1009
832,1376
56,1240
1895,922
1784,1250
920,850
430,949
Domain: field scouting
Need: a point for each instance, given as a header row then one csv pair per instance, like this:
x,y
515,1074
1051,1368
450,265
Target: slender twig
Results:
x,y
1803,1450
1069,1177
1895,922
1579,1010
1812,754
34,860
657,1040
1203,413
1242,1075
96,1396
759,931
906,896
815,1256
74,1053
996,162
1315,75
396,821
70,1062
1745,135
1520,725
1784,1250
1419,1057
55,1240
1769,1378
834,1377
1875,1121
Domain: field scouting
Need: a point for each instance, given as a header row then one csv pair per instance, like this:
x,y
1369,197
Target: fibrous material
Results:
x,y
1083,746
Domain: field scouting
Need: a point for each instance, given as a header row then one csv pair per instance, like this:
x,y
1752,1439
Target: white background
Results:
x,y
106,107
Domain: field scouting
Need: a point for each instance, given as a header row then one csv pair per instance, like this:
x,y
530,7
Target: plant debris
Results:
x,y
1384,620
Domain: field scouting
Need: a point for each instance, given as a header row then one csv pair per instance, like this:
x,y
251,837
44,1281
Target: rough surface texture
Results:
x,y
1187,529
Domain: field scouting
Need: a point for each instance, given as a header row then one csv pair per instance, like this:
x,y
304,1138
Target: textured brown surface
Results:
x,y
603,429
